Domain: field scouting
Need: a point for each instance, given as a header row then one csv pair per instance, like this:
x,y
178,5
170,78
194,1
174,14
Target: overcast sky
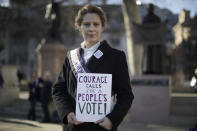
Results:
x,y
174,5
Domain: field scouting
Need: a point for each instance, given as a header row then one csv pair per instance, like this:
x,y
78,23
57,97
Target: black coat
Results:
x,y
34,90
45,92
112,62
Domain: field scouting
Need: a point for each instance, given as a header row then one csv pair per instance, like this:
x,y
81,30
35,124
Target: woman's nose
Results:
x,y
91,27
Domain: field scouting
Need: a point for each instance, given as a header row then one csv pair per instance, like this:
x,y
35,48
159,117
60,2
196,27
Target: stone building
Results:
x,y
185,51
21,29
28,28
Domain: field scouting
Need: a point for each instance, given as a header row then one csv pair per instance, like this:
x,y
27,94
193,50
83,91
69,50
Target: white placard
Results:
x,y
93,96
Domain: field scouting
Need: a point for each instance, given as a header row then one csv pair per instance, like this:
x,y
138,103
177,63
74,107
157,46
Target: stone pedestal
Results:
x,y
51,58
10,91
152,37
152,99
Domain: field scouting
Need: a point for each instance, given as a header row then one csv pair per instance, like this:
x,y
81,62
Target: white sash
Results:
x,y
77,64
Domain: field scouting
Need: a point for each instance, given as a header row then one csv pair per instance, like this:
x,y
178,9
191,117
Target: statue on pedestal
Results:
x,y
51,46
152,53
53,14
151,18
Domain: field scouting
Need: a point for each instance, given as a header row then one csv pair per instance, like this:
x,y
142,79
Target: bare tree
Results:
x,y
132,15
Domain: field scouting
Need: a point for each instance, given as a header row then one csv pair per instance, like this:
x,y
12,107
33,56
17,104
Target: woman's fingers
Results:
x,y
99,121
105,123
72,119
69,118
75,120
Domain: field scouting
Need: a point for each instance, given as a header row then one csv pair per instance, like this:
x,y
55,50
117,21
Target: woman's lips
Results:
x,y
91,35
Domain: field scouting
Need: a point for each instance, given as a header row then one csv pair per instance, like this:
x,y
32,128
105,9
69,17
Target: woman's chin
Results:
x,y
92,42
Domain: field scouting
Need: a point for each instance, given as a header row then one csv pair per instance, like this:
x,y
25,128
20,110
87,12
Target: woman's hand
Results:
x,y
105,123
72,119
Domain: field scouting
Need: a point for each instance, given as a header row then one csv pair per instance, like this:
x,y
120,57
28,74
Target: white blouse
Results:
x,y
88,52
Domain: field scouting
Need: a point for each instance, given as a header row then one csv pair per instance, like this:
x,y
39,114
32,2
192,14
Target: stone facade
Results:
x,y
10,91
21,39
185,45
50,59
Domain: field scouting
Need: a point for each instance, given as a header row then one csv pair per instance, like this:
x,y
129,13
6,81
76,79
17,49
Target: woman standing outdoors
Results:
x,y
94,56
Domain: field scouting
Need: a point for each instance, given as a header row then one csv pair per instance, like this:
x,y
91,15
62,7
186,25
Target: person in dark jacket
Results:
x,y
1,80
34,95
94,56
45,96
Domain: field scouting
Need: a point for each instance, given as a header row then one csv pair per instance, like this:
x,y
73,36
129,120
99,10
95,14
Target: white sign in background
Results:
x,y
93,97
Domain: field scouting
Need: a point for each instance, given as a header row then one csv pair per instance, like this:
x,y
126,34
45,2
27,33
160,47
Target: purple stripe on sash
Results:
x,y
71,65
82,61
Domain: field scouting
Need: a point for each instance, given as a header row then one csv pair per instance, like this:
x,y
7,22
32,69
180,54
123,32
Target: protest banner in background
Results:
x,y
93,96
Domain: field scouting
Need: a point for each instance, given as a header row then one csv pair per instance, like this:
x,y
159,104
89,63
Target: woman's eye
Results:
x,y
96,24
86,24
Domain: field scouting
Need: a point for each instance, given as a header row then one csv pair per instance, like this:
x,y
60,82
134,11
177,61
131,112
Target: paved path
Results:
x,y
149,127
16,123
9,124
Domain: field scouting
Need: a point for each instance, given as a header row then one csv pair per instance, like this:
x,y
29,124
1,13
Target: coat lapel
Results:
x,y
94,62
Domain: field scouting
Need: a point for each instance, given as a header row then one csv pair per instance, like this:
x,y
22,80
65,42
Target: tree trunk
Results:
x,y
132,15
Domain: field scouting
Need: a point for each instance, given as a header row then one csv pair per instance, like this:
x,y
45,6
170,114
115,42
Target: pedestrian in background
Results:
x,y
34,95
1,80
45,96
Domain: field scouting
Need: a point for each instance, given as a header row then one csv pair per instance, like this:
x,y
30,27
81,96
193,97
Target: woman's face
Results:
x,y
91,28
